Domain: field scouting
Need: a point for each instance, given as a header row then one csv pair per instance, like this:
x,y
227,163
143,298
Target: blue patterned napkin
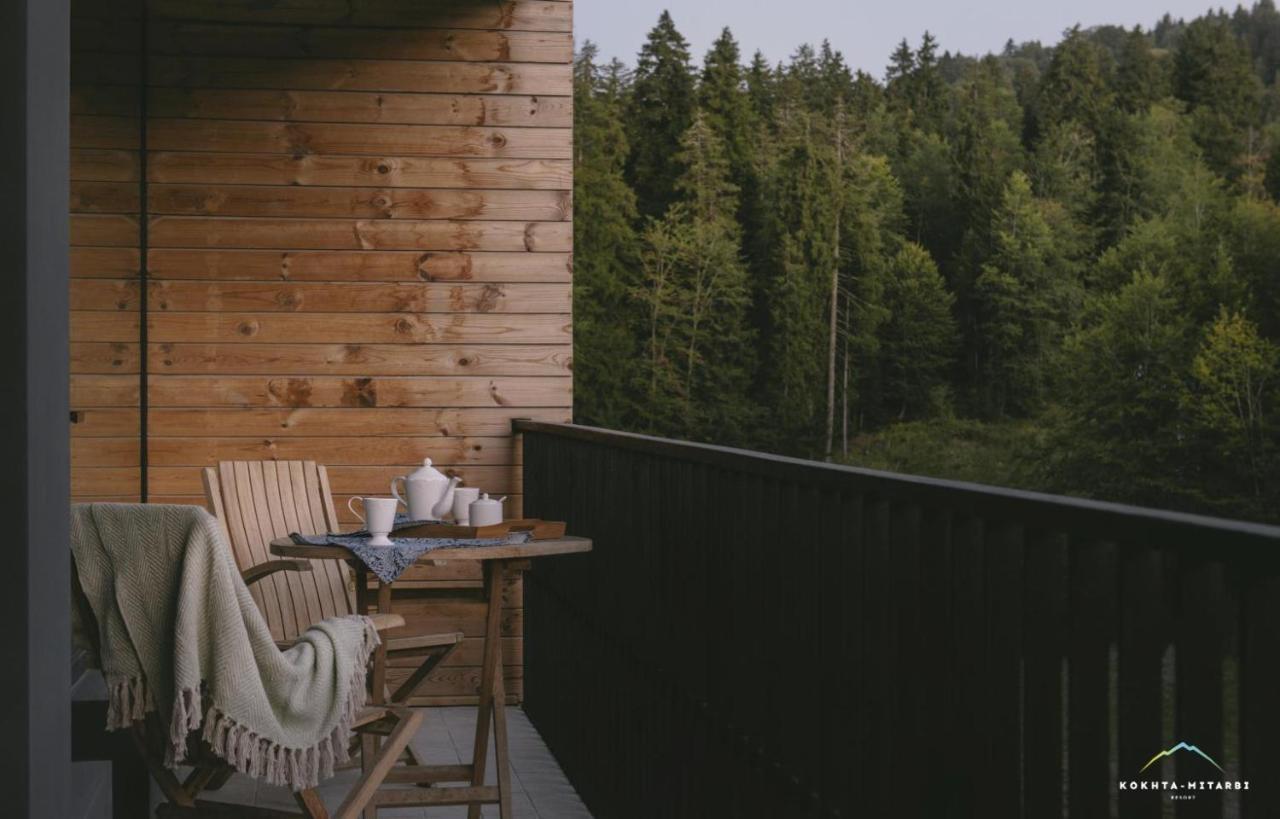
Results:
x,y
389,562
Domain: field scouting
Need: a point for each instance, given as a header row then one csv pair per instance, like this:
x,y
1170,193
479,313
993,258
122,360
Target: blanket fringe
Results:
x,y
244,749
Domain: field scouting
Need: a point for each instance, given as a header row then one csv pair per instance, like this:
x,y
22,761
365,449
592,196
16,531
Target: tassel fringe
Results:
x,y
129,701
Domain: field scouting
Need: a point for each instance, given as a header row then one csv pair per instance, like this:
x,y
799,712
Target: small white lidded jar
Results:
x,y
486,511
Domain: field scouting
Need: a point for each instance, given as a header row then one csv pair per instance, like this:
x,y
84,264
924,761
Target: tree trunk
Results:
x,y
835,286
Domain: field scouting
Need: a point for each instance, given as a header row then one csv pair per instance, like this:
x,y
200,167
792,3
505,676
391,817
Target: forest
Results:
x,y
1055,268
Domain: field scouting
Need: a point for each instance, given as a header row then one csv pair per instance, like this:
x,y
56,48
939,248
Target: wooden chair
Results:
x,y
385,732
258,501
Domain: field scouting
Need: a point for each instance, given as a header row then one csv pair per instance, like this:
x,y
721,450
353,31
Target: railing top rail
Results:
x,y
1036,510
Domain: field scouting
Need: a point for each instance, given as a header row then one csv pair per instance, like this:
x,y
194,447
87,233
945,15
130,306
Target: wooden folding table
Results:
x,y
498,562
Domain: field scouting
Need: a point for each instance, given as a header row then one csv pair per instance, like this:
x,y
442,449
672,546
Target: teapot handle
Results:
x,y
396,492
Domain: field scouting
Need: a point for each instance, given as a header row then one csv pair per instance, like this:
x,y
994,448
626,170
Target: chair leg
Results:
x,y
311,803
361,796
406,689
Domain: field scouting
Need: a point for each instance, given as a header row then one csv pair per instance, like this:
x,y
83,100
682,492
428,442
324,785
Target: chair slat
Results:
x,y
306,600
338,574
293,607
242,534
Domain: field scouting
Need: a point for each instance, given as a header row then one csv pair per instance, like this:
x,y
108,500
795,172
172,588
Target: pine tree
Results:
x,y
606,248
696,297
1213,75
1074,87
918,338
1140,80
661,109
1025,297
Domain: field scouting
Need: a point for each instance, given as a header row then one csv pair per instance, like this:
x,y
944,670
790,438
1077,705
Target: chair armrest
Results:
x,y
292,564
383,622
421,641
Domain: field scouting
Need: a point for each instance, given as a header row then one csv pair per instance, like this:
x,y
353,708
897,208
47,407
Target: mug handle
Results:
x,y
396,492
352,500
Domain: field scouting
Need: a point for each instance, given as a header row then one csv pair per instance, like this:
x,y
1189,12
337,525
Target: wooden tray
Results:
x,y
541,529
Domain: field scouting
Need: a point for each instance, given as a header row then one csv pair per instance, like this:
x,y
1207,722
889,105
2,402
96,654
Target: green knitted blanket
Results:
x,y
180,634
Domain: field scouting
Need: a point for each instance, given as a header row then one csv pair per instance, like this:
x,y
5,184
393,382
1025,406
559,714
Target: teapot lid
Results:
x,y
426,472
484,498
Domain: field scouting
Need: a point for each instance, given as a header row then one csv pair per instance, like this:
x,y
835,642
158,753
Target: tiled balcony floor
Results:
x,y
540,788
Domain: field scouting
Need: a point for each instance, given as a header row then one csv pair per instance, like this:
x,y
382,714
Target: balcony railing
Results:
x,y
764,636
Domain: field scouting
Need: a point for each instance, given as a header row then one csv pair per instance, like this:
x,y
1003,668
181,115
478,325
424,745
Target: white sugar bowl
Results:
x,y
485,511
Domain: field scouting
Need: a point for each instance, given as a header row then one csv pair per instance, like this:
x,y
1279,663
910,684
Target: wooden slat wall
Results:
x,y
359,248
106,444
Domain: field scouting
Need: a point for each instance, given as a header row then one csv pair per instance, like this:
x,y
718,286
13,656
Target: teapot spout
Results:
x,y
444,506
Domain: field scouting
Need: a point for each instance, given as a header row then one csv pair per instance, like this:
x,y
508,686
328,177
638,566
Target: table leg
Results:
x,y
378,688
492,695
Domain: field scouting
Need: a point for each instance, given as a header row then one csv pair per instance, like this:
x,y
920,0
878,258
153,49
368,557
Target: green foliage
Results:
x,y
1057,267
606,243
694,297
1026,295
1213,74
917,340
660,108
1232,398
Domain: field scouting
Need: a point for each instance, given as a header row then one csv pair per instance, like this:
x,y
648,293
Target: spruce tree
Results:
x,y
661,109
606,252
696,297
1213,74
918,338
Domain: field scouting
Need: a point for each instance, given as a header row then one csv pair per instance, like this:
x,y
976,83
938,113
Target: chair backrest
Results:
x,y
259,501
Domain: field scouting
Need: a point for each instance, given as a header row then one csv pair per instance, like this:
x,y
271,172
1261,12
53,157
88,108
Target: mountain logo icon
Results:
x,y
1181,746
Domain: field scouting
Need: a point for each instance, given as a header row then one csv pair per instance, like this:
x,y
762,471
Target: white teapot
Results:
x,y
428,492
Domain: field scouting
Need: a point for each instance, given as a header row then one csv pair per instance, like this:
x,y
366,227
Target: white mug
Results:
x,y
462,498
379,518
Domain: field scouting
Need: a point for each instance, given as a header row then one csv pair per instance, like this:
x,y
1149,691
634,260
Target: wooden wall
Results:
x,y
358,248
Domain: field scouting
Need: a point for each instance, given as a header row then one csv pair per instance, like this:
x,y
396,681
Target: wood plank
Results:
x,y
111,480
109,132
465,45
347,480
89,97
390,171
338,451
104,262
1044,642
335,234
106,231
330,422
388,108
328,391
331,297
116,295
342,265
1092,625
104,197
104,357
354,328
299,138
518,15
357,203
103,326
104,391
1144,634
1260,679
105,422
335,359
104,165
115,452
432,77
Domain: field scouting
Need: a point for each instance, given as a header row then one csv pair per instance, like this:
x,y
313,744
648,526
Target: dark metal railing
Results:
x,y
761,636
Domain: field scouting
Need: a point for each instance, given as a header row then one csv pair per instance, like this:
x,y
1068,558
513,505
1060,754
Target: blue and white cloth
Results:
x,y
389,562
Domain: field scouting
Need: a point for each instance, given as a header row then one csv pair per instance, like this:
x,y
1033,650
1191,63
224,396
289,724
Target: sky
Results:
x,y
865,31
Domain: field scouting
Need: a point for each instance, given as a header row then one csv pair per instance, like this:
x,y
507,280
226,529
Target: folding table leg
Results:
x,y
490,676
